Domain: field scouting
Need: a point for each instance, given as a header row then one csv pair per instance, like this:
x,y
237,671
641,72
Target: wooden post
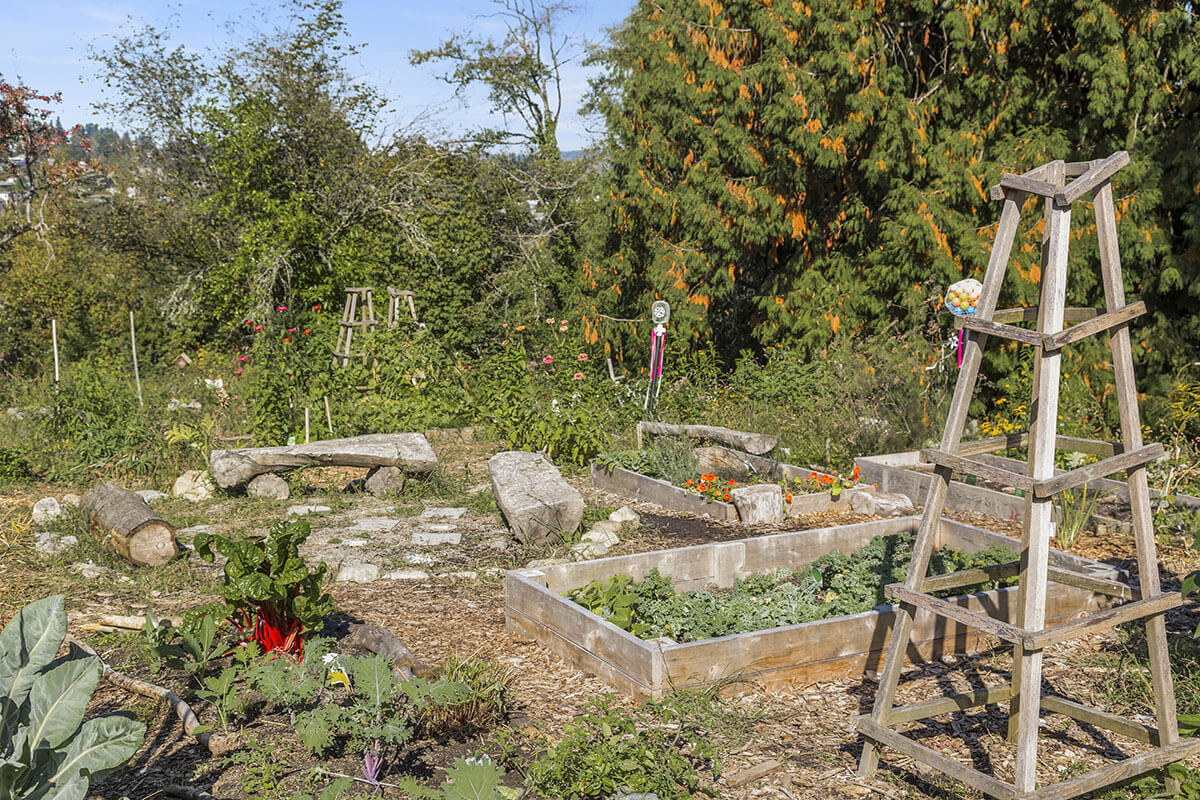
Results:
x,y
306,424
133,346
328,416
54,341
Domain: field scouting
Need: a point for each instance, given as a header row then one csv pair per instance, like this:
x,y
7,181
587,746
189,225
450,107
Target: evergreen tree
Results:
x,y
789,171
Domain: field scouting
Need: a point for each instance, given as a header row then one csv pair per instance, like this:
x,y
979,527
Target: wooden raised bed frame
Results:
x,y
637,486
812,651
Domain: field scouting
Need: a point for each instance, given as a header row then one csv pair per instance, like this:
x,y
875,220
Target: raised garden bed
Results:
x,y
637,486
905,473
827,649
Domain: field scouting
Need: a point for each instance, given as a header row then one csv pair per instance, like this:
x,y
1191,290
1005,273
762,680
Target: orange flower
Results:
x,y
708,477
788,497
688,482
826,479
727,497
857,471
732,484
703,487
812,476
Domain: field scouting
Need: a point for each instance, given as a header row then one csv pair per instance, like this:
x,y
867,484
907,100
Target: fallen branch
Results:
x,y
215,743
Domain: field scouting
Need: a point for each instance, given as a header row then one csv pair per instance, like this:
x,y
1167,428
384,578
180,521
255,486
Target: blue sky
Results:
x,y
46,46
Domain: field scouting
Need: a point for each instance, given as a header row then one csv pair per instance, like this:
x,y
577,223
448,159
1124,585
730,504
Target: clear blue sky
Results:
x,y
45,45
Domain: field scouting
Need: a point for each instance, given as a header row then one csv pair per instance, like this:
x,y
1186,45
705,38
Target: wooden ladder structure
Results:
x,y
1040,482
358,315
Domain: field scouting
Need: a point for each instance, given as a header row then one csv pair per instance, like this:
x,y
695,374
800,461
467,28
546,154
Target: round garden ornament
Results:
x,y
962,298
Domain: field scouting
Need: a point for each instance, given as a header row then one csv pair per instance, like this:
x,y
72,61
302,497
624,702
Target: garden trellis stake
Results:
x,y
660,315
1040,481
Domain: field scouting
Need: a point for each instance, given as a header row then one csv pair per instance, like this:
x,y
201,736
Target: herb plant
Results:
x,y
272,596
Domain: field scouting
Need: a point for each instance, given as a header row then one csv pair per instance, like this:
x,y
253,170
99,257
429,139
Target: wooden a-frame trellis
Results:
x,y
1040,482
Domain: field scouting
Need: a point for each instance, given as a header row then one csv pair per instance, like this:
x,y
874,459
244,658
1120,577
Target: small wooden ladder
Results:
x,y
358,314
1040,482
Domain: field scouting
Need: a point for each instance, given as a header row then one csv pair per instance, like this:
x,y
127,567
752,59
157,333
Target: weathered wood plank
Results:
x,y
944,764
756,444
1012,332
1020,183
935,498
1116,772
578,625
1127,612
1048,487
1098,585
1101,323
967,577
1101,719
944,608
652,490
1029,314
948,705
1131,435
1099,173
978,468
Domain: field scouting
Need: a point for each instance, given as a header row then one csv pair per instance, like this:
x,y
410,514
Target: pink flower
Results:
x,y
562,328
562,322
292,330
248,322
237,372
281,308
548,360
582,356
258,327
578,376
243,358
291,373
550,321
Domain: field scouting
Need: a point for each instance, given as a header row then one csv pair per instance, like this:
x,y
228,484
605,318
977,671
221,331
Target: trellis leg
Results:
x,y
1055,173
1042,431
1139,490
935,499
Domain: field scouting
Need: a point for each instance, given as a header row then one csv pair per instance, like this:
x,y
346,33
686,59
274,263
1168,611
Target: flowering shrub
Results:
x,y
712,487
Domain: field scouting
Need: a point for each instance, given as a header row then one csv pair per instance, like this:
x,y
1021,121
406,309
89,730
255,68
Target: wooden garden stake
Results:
x,y
54,341
1030,636
306,424
133,346
328,416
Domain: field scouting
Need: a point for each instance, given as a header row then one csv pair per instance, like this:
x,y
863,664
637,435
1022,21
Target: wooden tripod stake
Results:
x,y
1029,636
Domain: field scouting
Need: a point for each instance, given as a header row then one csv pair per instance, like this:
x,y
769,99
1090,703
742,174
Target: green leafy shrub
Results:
x,y
609,749
272,596
555,402
667,458
46,748
13,466
834,585
475,778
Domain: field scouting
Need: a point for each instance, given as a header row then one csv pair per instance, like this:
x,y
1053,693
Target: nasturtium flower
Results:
x,y
317,307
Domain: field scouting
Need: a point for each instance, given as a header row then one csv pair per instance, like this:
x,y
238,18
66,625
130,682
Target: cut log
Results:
x,y
408,451
754,443
138,535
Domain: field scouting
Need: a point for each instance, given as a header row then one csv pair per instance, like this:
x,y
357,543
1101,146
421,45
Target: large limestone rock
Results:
x,y
536,502
268,485
46,510
408,451
762,503
194,485
383,480
881,504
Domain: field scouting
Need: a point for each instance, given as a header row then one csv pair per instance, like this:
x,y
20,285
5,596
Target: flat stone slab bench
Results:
x,y
407,451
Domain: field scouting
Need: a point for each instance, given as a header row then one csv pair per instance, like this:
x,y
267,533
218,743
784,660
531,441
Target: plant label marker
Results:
x,y
660,315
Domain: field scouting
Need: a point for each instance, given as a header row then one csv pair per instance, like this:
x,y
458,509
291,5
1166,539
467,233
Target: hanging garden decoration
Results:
x,y
962,298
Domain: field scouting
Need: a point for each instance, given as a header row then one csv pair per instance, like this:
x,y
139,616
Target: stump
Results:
x,y
138,535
